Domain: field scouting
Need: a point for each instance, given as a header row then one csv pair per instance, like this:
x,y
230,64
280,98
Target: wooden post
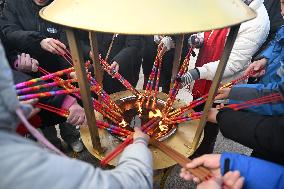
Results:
x,y
84,87
99,72
215,83
177,56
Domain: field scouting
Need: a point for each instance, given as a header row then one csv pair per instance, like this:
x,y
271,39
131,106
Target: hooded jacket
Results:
x,y
23,160
251,36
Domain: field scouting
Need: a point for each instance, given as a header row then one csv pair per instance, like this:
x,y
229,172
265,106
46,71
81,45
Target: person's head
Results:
x,y
282,7
41,2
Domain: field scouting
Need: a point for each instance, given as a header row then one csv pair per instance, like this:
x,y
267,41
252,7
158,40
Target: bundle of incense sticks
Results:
x,y
201,172
127,141
203,98
174,90
68,57
105,97
48,94
48,85
247,104
103,125
107,112
115,74
181,119
44,78
155,74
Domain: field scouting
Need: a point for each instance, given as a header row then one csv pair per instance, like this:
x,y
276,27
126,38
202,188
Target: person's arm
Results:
x,y
258,173
249,39
23,41
42,169
244,92
261,133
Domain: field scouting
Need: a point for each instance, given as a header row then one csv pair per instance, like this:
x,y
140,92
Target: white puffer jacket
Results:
x,y
251,36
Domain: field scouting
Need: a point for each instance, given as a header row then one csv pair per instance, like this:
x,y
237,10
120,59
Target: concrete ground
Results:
x,y
173,181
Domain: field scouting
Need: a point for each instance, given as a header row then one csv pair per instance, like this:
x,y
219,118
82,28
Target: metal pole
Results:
x,y
84,87
177,56
215,83
99,72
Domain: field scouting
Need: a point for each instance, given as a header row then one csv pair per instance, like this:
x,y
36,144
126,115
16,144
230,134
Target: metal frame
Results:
x,y
215,83
177,56
79,65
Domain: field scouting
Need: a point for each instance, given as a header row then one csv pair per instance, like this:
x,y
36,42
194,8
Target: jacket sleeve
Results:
x,y
134,170
244,92
270,53
251,36
21,40
258,173
132,46
261,133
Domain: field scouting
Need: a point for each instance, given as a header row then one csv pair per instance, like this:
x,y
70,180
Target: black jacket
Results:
x,y
274,12
264,134
23,30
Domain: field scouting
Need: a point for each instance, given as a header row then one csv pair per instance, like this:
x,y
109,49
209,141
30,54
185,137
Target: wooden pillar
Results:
x,y
99,72
79,65
215,83
177,56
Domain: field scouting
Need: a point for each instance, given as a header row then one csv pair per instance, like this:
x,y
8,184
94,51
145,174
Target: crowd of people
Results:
x,y
31,44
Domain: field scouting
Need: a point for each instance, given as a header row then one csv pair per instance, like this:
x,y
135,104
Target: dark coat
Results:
x,y
127,52
264,134
23,30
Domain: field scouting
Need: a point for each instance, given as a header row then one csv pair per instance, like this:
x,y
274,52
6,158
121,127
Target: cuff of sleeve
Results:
x,y
225,156
221,111
68,102
140,140
202,72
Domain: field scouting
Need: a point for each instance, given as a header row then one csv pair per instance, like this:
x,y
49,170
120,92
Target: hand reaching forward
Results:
x,y
52,45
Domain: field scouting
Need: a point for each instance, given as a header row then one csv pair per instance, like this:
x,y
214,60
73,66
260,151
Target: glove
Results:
x,y
157,39
189,77
168,42
196,40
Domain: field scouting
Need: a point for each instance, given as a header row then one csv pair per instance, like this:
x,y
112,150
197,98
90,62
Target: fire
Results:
x,y
123,123
163,127
156,114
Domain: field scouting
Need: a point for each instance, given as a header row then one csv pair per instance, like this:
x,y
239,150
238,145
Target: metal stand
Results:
x,y
177,56
84,87
215,84
99,72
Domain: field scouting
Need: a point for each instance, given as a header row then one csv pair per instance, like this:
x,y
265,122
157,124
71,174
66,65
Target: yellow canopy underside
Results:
x,y
147,17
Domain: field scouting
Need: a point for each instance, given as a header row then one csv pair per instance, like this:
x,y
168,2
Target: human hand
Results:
x,y
25,63
257,66
52,45
209,161
231,180
114,66
167,44
76,115
196,40
157,39
189,77
139,134
223,93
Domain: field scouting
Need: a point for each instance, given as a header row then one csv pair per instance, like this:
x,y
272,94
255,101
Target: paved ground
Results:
x,y
173,181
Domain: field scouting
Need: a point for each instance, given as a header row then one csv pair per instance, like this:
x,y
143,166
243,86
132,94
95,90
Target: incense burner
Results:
x,y
178,137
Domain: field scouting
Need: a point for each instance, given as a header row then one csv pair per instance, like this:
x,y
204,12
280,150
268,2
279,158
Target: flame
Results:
x,y
123,123
162,126
156,114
